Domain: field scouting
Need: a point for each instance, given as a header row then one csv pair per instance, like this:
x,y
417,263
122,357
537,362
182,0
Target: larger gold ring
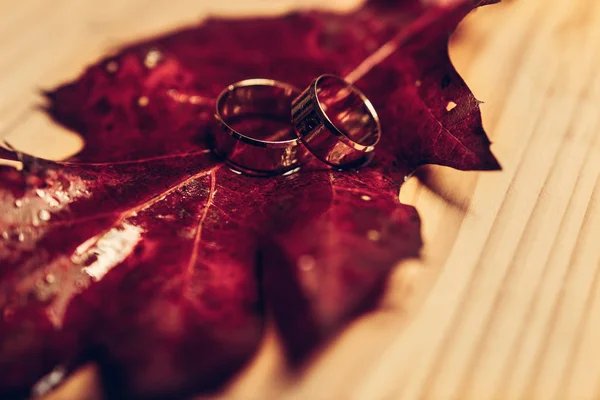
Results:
x,y
256,137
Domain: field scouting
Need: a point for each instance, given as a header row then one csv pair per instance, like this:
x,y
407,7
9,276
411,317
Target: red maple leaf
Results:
x,y
148,255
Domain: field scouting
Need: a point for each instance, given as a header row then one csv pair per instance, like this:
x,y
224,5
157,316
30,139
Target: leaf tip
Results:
x,y
490,163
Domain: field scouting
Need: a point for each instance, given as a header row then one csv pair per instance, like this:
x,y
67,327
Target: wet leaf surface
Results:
x,y
148,255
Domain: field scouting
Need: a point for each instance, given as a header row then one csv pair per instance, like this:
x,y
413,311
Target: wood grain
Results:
x,y
505,303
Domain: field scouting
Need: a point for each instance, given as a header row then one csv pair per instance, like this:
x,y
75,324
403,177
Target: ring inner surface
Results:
x,y
260,113
347,110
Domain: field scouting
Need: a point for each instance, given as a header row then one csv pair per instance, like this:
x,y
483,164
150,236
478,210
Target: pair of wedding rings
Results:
x,y
270,127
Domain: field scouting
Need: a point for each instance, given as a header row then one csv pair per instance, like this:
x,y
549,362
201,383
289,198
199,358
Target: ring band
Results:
x,y
263,107
336,122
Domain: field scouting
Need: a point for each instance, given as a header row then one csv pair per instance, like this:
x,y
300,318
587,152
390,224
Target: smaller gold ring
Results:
x,y
336,122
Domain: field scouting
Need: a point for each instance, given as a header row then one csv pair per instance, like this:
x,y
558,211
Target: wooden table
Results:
x,y
505,303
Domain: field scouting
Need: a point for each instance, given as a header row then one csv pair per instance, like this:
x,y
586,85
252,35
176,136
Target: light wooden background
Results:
x,y
505,303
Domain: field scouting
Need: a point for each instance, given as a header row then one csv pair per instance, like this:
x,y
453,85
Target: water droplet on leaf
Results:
x,y
112,67
373,235
44,215
143,101
306,262
153,57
